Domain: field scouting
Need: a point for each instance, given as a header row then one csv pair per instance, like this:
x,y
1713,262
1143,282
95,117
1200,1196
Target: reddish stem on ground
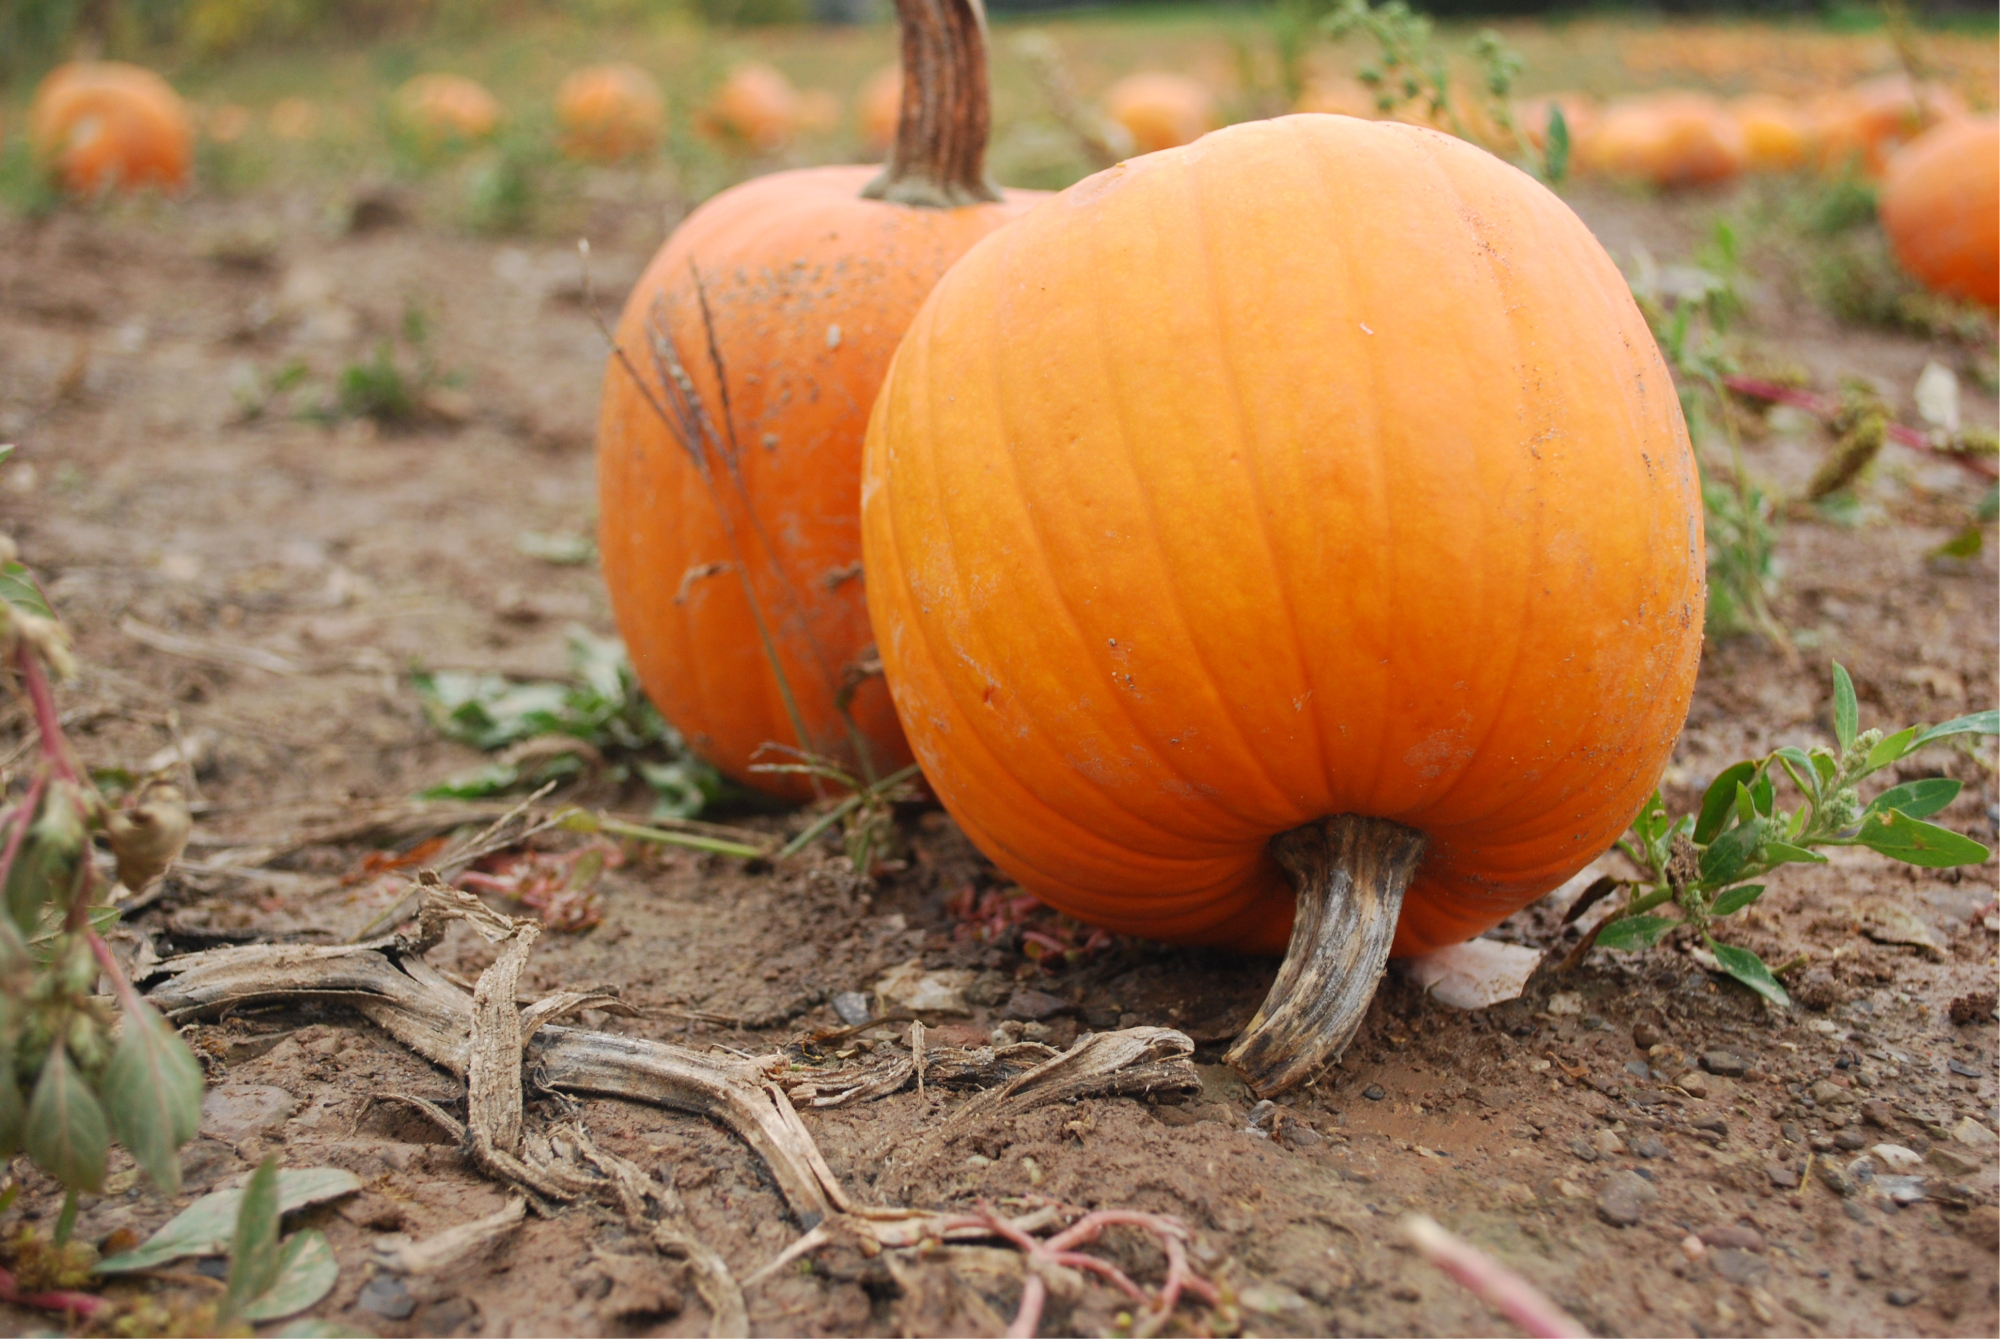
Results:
x,y
1826,407
78,1304
46,720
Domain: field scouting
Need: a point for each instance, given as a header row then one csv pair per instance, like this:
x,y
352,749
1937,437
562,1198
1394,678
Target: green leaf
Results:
x,y
67,1136
1892,748
1846,711
50,859
1915,842
204,1227
1735,899
1557,166
1717,799
1746,805
13,1109
253,1248
1763,794
1967,543
1800,769
1784,853
1917,799
479,784
152,1094
17,588
1824,765
1978,723
307,1272
1634,932
1722,861
1748,968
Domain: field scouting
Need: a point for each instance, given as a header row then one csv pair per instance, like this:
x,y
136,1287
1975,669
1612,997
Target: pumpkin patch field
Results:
x,y
842,669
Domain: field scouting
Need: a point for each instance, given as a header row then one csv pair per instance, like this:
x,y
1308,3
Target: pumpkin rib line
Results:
x,y
1206,794
1204,245
949,552
1223,707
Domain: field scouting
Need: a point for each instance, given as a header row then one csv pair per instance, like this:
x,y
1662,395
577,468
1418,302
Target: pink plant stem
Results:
x,y
128,998
1824,407
82,1305
1492,1282
46,720
24,818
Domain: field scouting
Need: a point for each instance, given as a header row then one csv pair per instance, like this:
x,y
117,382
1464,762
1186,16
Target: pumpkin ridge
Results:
x,y
1205,247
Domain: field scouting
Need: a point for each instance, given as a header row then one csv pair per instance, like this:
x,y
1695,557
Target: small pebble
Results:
x,y
1692,1247
1738,1236
1638,1069
1726,1063
1645,1036
1649,1146
1821,1143
1850,1140
1896,1158
1903,1296
1783,1177
1738,1266
1833,1178
1694,1084
1034,1006
1879,1114
851,1007
1373,1092
1622,1201
1713,1125
384,1295
1963,1070
1609,1144
1582,1148
1791,1132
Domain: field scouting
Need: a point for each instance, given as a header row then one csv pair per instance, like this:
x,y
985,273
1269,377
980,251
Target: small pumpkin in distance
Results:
x,y
1310,504
729,490
443,108
610,112
1778,134
1160,110
1671,140
109,125
1940,207
1860,128
756,107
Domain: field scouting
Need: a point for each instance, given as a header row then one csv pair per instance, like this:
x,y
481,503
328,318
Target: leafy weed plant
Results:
x,y
1703,867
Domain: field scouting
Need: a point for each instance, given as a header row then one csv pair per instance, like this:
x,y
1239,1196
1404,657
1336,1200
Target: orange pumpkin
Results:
x,y
756,107
1161,111
102,125
1668,139
609,112
1320,473
439,108
879,107
1862,127
730,488
1941,208
1778,134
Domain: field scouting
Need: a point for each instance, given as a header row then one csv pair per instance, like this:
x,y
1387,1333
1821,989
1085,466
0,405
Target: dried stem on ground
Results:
x,y
485,1037
1492,1282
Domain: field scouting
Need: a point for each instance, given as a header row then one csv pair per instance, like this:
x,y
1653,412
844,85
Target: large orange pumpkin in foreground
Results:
x,y
1311,500
609,112
101,125
1161,111
729,444
1941,208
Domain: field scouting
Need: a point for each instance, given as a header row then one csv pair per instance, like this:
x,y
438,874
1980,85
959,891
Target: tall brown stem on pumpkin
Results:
x,y
939,161
1350,873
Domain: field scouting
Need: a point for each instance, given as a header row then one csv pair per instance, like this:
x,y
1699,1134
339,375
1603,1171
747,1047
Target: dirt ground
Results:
x,y
257,586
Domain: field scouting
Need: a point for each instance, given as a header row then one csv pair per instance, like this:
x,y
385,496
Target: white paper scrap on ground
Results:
x,y
1474,974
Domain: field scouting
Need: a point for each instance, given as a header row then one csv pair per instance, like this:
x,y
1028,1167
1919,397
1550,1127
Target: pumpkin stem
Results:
x,y
939,161
1350,873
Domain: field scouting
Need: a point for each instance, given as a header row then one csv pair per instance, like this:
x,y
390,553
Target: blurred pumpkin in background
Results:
x,y
1161,111
1669,139
439,108
227,123
755,107
107,125
1941,208
1778,134
878,107
609,112
293,118
1862,127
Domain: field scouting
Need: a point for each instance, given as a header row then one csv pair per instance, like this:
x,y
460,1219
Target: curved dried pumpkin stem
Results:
x,y
1350,873
939,161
